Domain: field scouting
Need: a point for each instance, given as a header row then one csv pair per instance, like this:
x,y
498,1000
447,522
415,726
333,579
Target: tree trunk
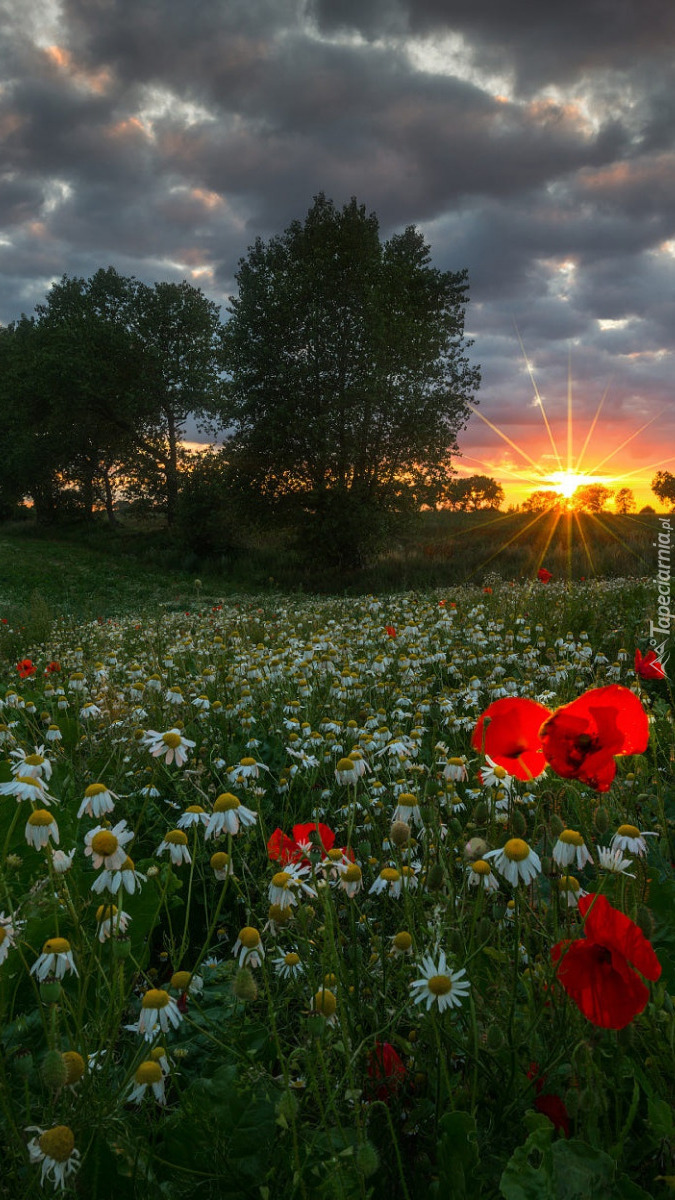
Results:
x,y
109,504
171,471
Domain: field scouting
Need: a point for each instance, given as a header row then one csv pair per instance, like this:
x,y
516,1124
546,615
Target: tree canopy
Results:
x,y
663,487
348,380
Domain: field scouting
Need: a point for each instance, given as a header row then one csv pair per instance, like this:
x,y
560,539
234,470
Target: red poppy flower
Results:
x,y
390,630
52,667
511,736
547,1102
386,1069
441,603
544,575
581,739
25,668
488,591
649,666
283,849
599,971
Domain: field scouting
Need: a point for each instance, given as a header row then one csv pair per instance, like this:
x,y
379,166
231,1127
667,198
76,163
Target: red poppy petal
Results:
x,y
553,1108
302,833
606,926
511,735
601,984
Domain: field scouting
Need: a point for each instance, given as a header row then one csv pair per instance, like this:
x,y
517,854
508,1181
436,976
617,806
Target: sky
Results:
x,y
532,144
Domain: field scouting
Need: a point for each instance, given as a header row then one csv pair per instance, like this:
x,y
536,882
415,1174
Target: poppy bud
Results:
x,y
455,942
645,920
475,848
483,929
455,827
53,1069
547,865
481,813
367,1159
244,986
436,878
519,824
50,991
399,833
601,819
556,826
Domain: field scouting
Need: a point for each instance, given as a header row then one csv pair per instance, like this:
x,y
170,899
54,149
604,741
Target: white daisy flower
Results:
x,y
495,776
613,860
228,814
249,947
126,877
106,846
401,944
62,861
159,1012
175,841
629,837
148,1075
35,764
441,984
111,920
98,800
53,734
221,864
389,879
55,960
172,745
55,1150
407,809
516,860
455,769
9,931
247,768
174,695
570,890
40,827
288,965
350,877
26,787
285,883
479,874
570,847
325,1004
194,815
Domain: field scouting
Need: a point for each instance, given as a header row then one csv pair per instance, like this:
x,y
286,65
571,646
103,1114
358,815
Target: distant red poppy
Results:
x,y
544,575
52,668
548,1103
284,849
390,630
508,731
599,971
649,666
441,603
581,739
488,590
386,1069
26,668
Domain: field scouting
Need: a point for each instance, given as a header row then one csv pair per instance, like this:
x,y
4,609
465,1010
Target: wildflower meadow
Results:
x,y
340,898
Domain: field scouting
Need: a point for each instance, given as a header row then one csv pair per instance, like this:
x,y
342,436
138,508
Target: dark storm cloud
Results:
x,y
532,144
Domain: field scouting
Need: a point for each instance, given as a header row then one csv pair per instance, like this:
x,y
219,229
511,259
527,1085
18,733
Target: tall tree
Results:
x,y
474,492
663,487
624,501
348,379
591,498
542,501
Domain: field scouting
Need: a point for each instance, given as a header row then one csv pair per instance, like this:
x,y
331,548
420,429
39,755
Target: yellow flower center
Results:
x,y
157,1052
402,940
57,945
57,1143
194,808
176,837
34,760
407,799
456,762
499,772
390,874
171,739
352,874
95,789
128,864
148,1072
155,998
40,817
249,937
29,781
247,762
281,879
568,884
291,959
3,934
325,1002
219,860
516,850
329,980
439,985
628,831
345,764
278,914
74,1064
480,867
334,855
180,980
571,837
104,843
226,802
105,912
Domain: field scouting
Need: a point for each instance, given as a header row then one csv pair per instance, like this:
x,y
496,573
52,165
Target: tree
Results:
x,y
348,380
542,501
624,501
663,487
475,492
591,498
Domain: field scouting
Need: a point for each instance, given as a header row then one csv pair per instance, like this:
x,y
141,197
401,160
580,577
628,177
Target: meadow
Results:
x,y
350,896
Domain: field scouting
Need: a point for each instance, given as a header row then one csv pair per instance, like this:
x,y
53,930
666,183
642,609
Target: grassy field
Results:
x,y
375,1015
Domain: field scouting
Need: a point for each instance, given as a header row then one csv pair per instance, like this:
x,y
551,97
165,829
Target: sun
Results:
x,y
567,482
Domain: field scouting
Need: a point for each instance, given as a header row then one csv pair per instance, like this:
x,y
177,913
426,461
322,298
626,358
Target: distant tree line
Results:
x,y
594,498
340,378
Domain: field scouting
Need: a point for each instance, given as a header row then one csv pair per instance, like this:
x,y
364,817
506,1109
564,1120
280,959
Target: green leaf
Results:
x,y
457,1156
563,1170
